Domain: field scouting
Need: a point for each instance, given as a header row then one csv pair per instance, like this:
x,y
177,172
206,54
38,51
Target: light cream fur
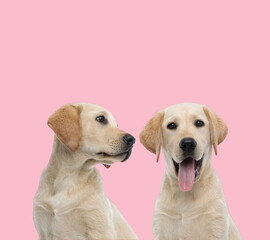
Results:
x,y
70,202
200,213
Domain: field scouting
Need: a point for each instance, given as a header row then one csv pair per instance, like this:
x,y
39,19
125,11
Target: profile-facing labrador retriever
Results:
x,y
70,202
191,203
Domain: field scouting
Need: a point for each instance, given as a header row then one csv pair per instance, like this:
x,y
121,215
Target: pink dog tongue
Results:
x,y
186,174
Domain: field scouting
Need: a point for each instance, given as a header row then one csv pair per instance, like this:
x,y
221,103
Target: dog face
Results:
x,y
186,133
101,136
92,131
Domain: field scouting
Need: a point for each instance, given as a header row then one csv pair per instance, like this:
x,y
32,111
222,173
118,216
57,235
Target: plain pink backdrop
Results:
x,y
134,58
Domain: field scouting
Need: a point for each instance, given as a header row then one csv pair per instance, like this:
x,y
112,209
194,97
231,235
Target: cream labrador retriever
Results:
x,y
191,203
70,202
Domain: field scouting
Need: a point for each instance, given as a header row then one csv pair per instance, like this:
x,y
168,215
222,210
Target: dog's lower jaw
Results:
x,y
127,156
124,155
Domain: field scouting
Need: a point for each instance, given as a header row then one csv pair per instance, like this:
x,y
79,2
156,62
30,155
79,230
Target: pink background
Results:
x,y
134,58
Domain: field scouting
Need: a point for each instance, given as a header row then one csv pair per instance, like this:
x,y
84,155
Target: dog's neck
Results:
x,y
67,170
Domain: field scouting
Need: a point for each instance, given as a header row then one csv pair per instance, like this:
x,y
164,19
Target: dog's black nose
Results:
x,y
188,145
129,139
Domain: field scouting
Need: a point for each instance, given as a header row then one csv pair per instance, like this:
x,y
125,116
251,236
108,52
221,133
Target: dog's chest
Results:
x,y
184,223
192,228
63,219
72,224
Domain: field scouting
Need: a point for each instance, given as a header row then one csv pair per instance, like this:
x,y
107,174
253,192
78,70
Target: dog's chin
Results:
x,y
197,166
107,159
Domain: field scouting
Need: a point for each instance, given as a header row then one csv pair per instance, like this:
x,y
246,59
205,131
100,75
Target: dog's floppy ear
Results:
x,y
218,128
67,125
150,136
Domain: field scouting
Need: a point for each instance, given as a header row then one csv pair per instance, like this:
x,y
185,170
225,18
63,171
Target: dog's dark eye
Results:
x,y
101,119
171,126
199,123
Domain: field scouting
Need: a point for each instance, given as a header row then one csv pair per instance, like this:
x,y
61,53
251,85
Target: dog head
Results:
x,y
92,131
186,132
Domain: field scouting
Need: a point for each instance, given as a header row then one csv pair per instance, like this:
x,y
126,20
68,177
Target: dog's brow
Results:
x,y
196,115
103,113
172,118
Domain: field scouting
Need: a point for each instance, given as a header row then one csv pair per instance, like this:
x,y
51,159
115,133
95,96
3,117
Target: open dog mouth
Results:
x,y
187,172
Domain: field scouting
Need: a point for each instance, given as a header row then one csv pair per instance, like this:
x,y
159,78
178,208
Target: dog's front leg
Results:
x,y
165,227
105,234
219,228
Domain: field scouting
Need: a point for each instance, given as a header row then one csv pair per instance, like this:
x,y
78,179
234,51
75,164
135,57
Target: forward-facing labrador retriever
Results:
x,y
191,203
70,202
